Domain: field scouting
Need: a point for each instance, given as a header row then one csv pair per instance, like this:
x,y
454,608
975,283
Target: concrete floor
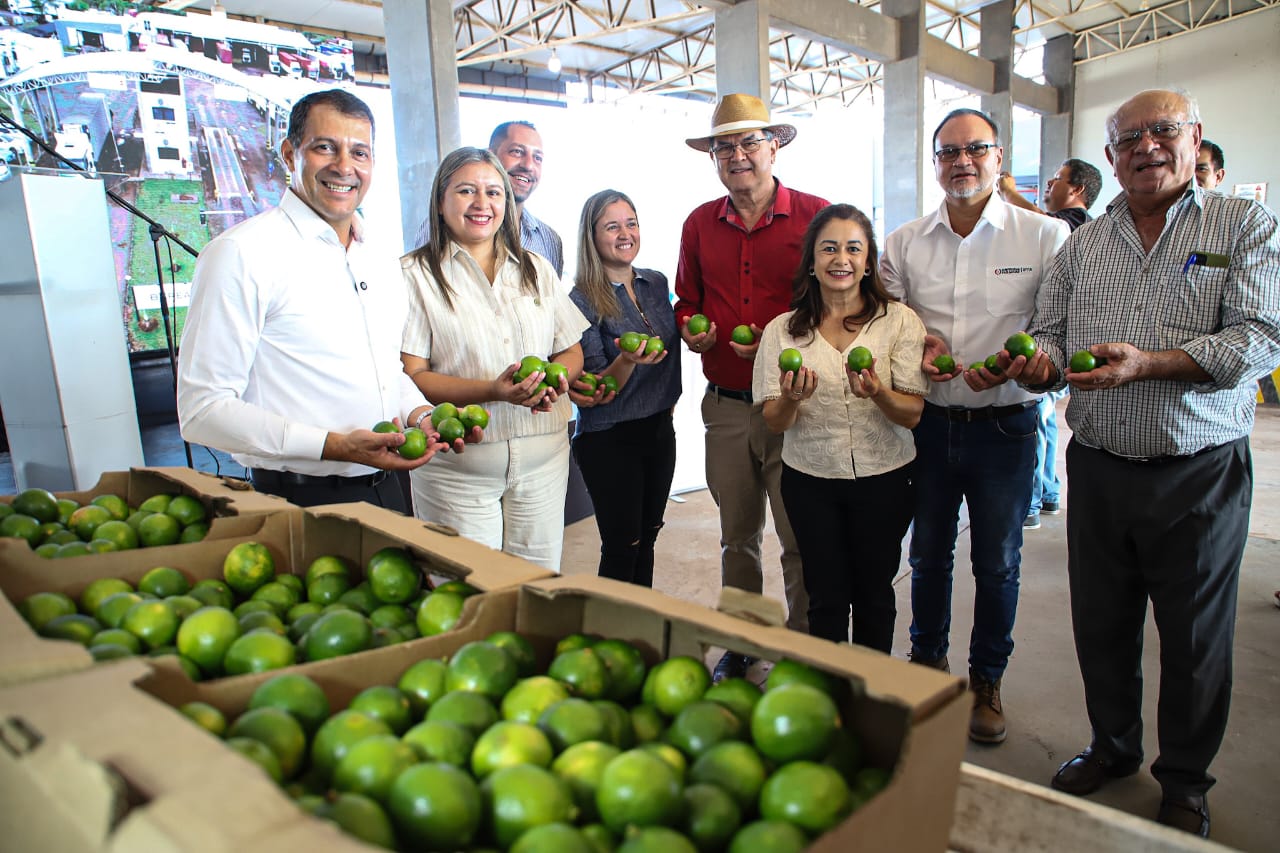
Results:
x,y
1042,693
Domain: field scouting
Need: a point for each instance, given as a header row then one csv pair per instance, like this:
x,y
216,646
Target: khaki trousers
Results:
x,y
744,465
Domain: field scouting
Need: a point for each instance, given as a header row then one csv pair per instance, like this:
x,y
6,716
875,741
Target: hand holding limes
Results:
x,y
935,350
745,340
699,333
522,384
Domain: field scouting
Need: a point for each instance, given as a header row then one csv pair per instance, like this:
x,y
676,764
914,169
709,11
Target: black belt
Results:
x,y
1159,460
744,396
265,478
959,414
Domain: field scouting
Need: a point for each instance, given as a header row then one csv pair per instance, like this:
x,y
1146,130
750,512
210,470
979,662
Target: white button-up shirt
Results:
x,y
290,336
973,292
490,327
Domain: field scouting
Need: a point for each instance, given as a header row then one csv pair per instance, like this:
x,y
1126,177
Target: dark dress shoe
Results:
x,y
1088,772
731,665
1189,812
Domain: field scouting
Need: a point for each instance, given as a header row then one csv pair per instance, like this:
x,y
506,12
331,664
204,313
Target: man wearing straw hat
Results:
x,y
738,254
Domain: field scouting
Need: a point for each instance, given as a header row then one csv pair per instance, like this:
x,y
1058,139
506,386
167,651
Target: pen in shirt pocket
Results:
x,y
1205,259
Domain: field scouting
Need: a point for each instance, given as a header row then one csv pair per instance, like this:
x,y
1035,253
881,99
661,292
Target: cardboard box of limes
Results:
x,y
92,763
910,721
201,504
293,538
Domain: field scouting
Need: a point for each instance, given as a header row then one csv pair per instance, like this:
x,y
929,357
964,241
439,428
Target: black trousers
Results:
x,y
305,490
628,470
850,537
1173,533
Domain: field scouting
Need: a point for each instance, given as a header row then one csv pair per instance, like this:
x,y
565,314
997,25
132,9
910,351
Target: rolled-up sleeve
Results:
x,y
1248,345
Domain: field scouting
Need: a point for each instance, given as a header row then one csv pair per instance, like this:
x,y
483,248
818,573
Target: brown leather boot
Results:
x,y
986,723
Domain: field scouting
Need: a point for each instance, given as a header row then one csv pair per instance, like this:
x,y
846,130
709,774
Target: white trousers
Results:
x,y
508,495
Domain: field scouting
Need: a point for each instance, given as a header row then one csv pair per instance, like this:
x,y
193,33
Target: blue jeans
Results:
x,y
1045,486
989,464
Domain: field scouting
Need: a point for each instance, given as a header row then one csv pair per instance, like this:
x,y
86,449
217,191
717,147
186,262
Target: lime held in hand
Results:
x,y
790,360
993,364
698,324
743,335
945,364
860,359
1020,344
1084,361
415,444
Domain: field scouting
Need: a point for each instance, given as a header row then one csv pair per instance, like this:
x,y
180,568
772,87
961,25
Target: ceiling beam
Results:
x,y
839,23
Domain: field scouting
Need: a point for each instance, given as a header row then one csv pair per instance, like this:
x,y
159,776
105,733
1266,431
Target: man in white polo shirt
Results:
x,y
971,270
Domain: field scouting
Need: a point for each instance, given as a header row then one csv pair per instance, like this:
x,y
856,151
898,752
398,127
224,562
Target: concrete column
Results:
x,y
1055,130
423,67
905,138
996,45
742,50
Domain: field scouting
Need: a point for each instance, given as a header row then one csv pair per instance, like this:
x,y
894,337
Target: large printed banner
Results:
x,y
182,115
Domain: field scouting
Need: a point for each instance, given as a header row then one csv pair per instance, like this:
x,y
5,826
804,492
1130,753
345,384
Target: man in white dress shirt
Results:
x,y
971,270
291,351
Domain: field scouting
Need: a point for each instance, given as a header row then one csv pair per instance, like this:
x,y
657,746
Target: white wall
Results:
x,y
1231,69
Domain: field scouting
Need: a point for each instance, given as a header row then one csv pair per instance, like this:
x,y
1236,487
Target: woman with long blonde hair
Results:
x,y
625,443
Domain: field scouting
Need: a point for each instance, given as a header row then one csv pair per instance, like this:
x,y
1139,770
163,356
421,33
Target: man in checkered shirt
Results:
x,y
1178,290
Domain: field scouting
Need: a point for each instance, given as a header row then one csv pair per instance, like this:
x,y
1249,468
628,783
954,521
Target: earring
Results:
x,y
810,270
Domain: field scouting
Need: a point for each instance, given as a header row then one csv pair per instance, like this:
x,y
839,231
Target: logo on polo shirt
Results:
x,y
1013,270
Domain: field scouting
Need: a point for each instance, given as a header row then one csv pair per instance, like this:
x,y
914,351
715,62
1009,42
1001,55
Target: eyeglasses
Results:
x,y
724,150
1160,130
975,150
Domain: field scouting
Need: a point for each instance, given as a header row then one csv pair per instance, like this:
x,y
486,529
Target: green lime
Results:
x,y
113,504
1083,361
653,346
638,789
711,816
529,365
117,637
794,721
327,565
435,807
860,359
451,429
186,510
87,519
790,360
553,838
788,671
338,734
341,632
415,444
386,703
19,526
529,697
279,730
571,721
520,650
734,766
163,581
206,717
41,607
393,577
248,566
439,612
296,694
1020,344
40,504
583,670
72,626
507,744
474,415
260,754
153,622
385,426
738,695
769,836
473,711
630,341
701,725
206,635
372,765
482,668
438,740
423,684
993,364
518,798
361,817
698,324
945,364
581,766
812,796
610,384
676,683
260,651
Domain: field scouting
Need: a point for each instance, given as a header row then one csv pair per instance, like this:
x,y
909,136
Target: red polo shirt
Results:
x,y
738,277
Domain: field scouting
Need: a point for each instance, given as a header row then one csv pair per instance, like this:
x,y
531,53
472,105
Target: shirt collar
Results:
x,y
458,252
1193,194
995,212
309,223
781,205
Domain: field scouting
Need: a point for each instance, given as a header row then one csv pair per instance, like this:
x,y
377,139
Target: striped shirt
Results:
x,y
1104,288
489,328
538,236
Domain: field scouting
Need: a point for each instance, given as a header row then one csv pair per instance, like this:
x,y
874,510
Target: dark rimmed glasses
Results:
x,y
975,150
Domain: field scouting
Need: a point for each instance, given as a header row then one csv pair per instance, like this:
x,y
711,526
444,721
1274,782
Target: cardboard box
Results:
x,y
295,537
910,719
1000,814
221,495
91,763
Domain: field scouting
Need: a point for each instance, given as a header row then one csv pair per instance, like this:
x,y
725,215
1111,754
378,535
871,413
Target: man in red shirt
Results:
x,y
737,257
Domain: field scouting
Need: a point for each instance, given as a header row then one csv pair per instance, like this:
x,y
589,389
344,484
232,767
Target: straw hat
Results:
x,y
738,113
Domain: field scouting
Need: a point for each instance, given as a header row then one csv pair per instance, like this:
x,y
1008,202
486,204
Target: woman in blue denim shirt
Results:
x,y
625,444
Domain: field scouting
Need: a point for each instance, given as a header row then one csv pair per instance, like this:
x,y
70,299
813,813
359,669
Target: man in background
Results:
x,y
1211,167
1068,195
518,146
